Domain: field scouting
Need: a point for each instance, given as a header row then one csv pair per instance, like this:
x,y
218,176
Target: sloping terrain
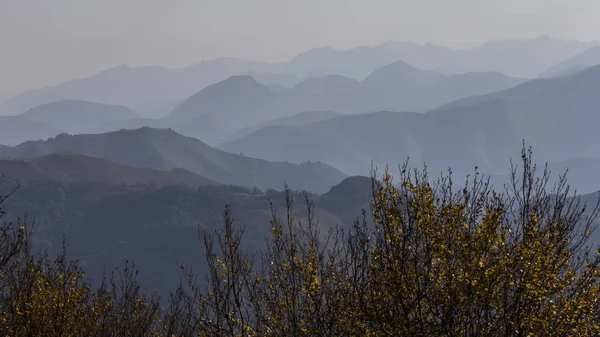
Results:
x,y
165,149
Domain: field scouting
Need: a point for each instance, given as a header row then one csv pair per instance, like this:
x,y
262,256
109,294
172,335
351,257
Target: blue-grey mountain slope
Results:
x,y
17,129
165,149
78,116
218,112
577,63
144,89
558,117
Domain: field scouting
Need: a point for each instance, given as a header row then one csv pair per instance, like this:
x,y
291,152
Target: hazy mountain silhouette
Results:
x,y
208,128
144,89
71,168
555,115
401,87
164,149
17,129
236,97
214,113
558,117
148,89
356,63
304,117
577,63
517,58
397,87
299,144
78,116
298,119
274,79
239,102
129,124
229,108
461,140
401,75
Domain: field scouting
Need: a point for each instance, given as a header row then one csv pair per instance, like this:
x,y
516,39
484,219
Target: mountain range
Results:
x,y
517,58
222,110
166,149
147,90
130,162
556,116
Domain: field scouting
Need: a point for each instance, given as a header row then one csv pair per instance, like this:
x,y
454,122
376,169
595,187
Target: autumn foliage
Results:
x,y
433,258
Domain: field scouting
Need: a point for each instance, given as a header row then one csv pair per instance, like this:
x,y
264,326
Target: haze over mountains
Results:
x,y
17,129
77,116
165,149
162,148
577,63
144,89
348,109
556,116
148,89
217,112
495,56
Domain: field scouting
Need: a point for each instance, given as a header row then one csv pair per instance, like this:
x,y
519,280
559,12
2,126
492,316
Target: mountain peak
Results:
x,y
351,186
544,37
234,95
400,72
399,66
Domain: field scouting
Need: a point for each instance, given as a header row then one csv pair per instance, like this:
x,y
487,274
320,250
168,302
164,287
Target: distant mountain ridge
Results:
x,y
225,99
17,129
577,63
558,117
217,112
516,58
78,116
166,149
146,89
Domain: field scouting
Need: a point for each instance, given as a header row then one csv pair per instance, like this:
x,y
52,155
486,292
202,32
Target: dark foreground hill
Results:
x,y
165,149
71,168
156,227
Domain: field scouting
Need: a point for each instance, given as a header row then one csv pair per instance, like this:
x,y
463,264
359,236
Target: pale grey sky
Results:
x,y
48,41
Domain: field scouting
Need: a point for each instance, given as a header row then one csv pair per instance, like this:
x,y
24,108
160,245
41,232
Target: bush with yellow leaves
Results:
x,y
435,261
431,260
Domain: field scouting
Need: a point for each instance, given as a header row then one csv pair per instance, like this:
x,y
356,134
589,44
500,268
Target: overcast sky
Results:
x,y
43,42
